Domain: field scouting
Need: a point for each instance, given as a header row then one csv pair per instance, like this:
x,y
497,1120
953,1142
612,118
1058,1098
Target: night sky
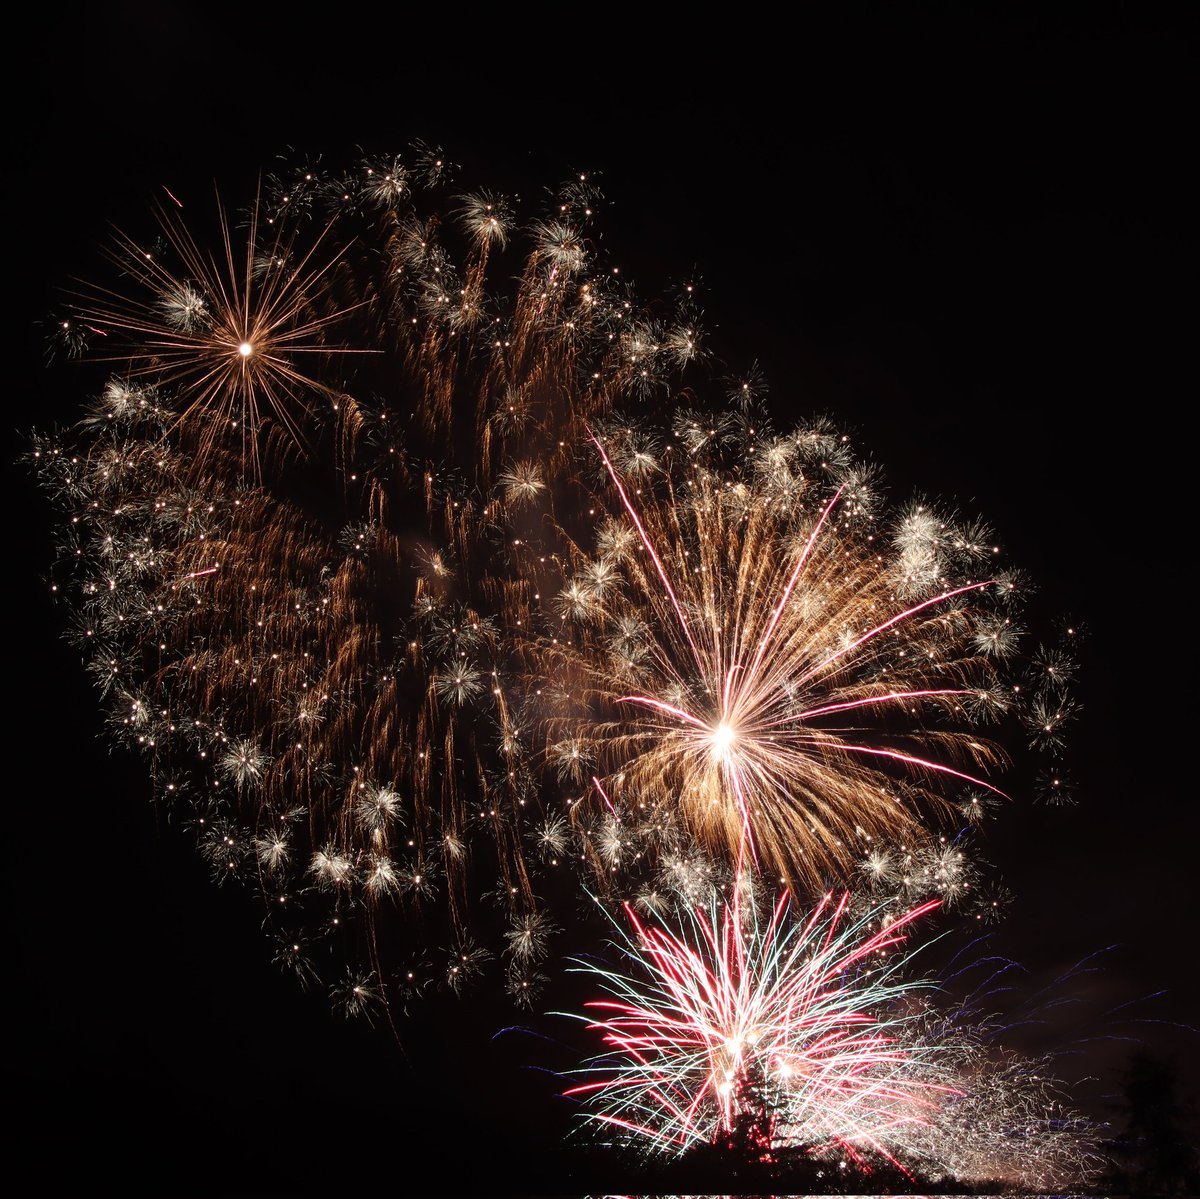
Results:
x,y
969,239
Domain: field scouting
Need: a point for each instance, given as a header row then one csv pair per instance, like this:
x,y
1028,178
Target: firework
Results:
x,y
735,1015
760,647
227,331
778,1037
307,527
410,622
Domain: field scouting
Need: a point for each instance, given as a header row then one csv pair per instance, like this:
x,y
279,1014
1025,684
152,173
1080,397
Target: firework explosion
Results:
x,y
739,1015
766,655
308,528
778,1037
420,630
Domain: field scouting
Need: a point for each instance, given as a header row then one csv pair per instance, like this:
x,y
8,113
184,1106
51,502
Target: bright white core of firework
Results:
x,y
723,738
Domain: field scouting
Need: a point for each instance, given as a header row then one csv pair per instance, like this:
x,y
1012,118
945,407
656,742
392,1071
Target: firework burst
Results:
x,y
230,331
734,1016
783,1038
759,647
410,622
306,534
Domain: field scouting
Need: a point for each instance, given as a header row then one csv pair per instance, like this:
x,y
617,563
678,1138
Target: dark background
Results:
x,y
967,235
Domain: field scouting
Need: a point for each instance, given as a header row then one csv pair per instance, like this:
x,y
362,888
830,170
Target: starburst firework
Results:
x,y
410,621
733,1010
307,532
784,1037
773,658
239,334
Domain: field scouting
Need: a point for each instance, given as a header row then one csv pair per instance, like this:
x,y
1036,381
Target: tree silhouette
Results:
x,y
1156,1152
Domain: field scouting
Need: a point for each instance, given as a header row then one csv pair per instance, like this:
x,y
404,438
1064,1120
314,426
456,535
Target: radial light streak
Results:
x,y
788,1032
788,685
780,1038
229,334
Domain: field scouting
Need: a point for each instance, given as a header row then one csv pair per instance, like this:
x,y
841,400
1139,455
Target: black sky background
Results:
x,y
969,236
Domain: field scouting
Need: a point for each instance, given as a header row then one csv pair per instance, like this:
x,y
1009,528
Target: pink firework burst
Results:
x,y
764,1029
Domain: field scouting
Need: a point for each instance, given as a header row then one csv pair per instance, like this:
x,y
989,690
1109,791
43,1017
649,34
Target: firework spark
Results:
x,y
230,330
734,1015
778,661
783,1037
324,656
462,629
